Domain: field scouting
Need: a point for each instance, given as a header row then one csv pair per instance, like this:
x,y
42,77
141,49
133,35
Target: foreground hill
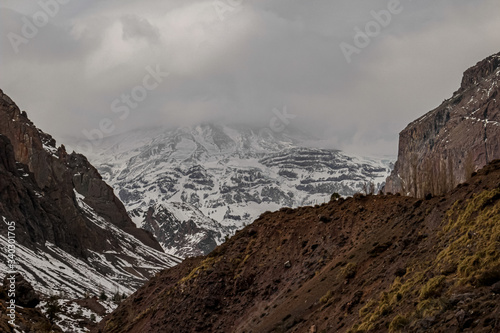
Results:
x,y
367,263
442,148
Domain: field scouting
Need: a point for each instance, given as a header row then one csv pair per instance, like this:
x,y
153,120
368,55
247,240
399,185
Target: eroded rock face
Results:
x,y
441,149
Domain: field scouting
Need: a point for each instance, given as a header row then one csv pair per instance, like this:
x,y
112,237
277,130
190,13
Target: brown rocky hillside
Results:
x,y
382,263
442,148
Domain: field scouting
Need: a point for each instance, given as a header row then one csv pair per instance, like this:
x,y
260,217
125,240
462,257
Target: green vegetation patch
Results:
x,y
195,272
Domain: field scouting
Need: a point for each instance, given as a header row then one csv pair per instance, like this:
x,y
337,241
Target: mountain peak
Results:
x,y
480,71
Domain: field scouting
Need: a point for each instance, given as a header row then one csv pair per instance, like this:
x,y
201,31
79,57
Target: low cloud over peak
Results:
x,y
67,62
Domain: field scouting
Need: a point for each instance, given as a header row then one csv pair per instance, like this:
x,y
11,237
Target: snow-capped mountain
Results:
x,y
193,186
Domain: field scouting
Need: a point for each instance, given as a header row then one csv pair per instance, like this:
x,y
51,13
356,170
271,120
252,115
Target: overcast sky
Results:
x,y
237,60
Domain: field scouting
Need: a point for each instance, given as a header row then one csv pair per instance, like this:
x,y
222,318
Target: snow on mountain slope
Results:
x,y
182,228
193,186
52,270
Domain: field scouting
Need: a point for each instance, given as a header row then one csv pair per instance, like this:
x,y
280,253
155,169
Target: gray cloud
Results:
x,y
235,63
135,27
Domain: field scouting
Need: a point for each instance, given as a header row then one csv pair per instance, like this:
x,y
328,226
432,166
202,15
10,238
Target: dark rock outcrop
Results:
x,y
442,148
179,234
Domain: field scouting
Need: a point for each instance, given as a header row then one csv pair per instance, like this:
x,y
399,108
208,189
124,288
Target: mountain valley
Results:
x,y
194,186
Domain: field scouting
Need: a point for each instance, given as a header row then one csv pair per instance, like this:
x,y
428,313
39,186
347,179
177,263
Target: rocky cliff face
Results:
x,y
72,235
442,148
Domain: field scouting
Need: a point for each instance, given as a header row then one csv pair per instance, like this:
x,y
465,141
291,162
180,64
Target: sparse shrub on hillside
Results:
x,y
204,265
335,196
433,287
326,297
474,250
367,308
385,309
52,308
324,219
469,257
349,271
488,276
430,307
398,323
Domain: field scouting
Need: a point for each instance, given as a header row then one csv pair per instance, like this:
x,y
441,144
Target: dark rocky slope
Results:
x,y
364,264
442,148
